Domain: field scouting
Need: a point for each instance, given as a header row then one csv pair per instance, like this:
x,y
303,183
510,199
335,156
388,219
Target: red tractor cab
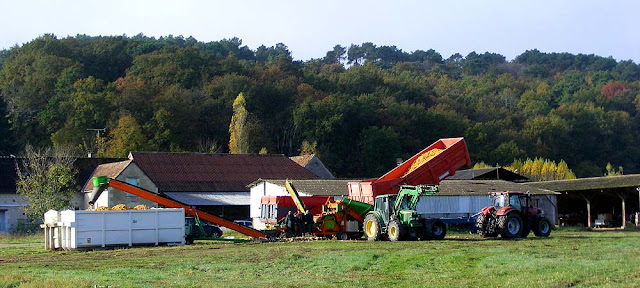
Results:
x,y
512,215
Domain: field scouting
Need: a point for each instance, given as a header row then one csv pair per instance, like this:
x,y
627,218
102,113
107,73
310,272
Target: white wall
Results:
x,y
11,205
263,189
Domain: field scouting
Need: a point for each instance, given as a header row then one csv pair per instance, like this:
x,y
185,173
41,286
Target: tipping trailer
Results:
x,y
103,182
453,156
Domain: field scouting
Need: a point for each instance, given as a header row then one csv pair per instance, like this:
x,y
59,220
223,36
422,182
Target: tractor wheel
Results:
x,y
342,236
438,230
485,225
542,227
396,231
510,225
372,227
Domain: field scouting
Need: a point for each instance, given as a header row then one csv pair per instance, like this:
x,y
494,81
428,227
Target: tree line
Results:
x,y
359,107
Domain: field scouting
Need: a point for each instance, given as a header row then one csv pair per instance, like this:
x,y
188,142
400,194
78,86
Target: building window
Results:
x,y
133,181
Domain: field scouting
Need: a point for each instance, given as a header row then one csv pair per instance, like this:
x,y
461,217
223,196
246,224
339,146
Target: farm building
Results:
x,y
313,164
611,201
11,204
456,199
216,183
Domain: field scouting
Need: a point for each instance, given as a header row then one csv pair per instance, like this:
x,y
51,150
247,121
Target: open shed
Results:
x,y
585,200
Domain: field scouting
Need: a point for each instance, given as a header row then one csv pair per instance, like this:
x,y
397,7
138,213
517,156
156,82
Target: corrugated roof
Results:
x,y
211,198
593,183
112,170
193,172
483,187
331,187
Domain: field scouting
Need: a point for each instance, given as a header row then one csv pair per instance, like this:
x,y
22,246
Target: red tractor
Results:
x,y
512,215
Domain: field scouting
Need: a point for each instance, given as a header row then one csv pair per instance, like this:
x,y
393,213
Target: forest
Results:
x,y
359,107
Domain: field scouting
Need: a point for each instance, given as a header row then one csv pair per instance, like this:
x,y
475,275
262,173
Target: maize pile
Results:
x,y
141,207
423,159
120,207
102,208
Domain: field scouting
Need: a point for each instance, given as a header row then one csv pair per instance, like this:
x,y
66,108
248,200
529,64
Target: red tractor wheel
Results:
x,y
485,224
510,225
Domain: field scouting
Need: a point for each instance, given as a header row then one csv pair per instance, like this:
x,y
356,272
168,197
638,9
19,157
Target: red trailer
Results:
x,y
454,156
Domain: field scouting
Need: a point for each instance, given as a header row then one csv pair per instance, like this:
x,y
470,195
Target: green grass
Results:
x,y
566,259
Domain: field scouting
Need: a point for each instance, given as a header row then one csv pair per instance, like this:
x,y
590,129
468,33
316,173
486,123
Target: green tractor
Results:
x,y
395,218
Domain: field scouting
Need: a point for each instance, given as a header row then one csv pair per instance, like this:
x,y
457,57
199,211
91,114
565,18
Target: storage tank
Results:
x,y
90,229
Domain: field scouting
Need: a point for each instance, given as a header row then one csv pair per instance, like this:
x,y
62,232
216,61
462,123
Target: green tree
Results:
x,y
127,136
238,134
46,179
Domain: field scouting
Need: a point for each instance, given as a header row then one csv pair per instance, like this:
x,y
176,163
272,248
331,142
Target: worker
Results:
x,y
288,224
299,223
308,220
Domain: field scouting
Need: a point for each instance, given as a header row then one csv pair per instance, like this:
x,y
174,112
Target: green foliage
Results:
x,y
180,94
46,179
611,170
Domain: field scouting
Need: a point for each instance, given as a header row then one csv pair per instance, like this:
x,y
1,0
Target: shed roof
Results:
x,y
592,183
211,198
332,187
111,170
493,173
483,187
302,160
195,172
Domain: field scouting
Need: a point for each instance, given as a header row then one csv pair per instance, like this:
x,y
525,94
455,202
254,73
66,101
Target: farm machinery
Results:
x,y
395,218
512,215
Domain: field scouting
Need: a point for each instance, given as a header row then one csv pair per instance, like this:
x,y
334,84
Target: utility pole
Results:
x,y
97,143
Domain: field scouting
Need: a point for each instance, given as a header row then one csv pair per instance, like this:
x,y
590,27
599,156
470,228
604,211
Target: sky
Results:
x,y
607,28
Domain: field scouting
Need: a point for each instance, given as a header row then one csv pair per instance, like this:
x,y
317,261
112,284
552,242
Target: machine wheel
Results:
x,y
188,240
438,230
372,227
542,227
396,231
510,225
342,236
526,229
484,224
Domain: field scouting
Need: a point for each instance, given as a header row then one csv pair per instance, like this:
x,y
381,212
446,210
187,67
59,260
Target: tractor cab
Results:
x,y
517,200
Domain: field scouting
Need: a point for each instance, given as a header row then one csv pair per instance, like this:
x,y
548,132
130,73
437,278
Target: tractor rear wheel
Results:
x,y
510,225
542,227
438,230
396,231
372,227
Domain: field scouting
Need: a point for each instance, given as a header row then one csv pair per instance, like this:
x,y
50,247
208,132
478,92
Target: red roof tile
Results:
x,y
178,172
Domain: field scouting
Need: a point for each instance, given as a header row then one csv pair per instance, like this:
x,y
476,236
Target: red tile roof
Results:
x,y
192,172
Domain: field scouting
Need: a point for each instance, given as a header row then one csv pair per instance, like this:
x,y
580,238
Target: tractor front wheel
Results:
x,y
510,225
486,225
396,231
372,227
342,236
542,227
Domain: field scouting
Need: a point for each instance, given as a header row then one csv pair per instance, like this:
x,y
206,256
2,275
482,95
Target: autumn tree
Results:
x,y
46,179
125,137
238,134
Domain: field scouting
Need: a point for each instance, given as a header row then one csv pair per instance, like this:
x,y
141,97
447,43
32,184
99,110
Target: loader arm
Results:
x,y
164,201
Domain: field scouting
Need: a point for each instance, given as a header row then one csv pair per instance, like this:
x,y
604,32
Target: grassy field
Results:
x,y
566,259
